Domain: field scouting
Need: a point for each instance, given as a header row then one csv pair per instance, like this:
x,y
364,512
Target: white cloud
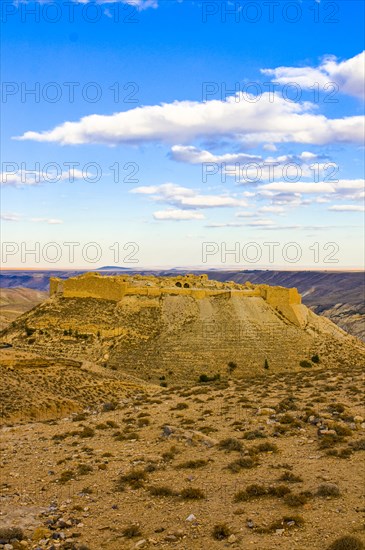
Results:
x,y
349,75
13,217
181,121
287,167
347,208
245,214
27,177
50,221
250,168
193,155
183,197
340,187
177,215
10,217
270,147
260,223
273,209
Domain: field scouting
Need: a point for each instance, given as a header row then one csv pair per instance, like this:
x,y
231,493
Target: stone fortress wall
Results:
x,y
95,285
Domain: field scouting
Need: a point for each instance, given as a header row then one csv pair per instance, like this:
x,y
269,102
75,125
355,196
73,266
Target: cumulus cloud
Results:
x,y
185,198
193,155
177,215
288,167
349,75
234,118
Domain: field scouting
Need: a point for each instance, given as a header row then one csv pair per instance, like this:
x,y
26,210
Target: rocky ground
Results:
x,y
275,460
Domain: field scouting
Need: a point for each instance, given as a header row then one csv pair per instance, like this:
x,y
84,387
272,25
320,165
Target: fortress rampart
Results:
x,y
94,285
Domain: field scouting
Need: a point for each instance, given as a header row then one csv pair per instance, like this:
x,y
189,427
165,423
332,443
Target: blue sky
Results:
x,y
225,128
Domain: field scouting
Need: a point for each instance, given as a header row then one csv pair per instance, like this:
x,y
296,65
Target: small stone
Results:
x,y
167,430
191,518
170,538
232,539
140,544
358,419
8,547
279,531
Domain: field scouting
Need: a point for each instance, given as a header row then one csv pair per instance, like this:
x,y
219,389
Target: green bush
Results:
x,y
305,364
315,358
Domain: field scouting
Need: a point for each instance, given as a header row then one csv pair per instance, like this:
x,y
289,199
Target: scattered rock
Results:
x,y
140,544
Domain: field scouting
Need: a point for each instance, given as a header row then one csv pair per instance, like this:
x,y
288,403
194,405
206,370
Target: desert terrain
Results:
x,y
255,453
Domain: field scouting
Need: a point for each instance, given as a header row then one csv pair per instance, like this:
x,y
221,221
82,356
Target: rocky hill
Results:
x,y
338,295
181,328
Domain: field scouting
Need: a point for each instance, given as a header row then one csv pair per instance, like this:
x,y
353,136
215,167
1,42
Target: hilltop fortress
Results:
x,y
114,288
179,328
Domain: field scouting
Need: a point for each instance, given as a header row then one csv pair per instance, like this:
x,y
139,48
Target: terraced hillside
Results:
x,y
178,338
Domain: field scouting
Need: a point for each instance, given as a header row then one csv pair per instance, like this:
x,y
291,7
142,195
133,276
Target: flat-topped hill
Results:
x,y
181,327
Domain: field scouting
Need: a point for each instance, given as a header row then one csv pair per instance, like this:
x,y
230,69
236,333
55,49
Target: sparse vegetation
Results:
x,y
192,493
161,491
230,444
135,479
11,533
328,490
231,367
131,531
204,378
193,464
221,531
289,477
347,543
